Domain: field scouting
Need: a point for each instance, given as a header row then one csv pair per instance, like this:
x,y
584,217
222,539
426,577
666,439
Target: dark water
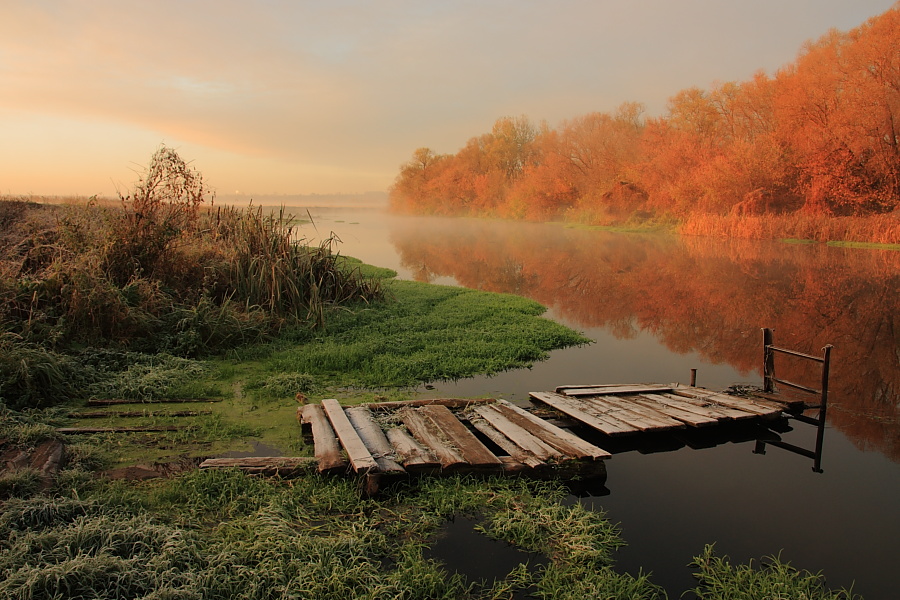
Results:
x,y
659,306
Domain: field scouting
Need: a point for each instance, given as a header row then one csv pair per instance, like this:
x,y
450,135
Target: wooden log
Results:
x,y
605,390
373,437
448,402
424,431
515,451
325,443
360,459
565,441
148,428
518,436
685,416
570,407
137,413
285,466
413,456
463,441
114,401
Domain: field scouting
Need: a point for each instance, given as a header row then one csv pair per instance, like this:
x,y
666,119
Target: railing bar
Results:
x,y
795,353
797,386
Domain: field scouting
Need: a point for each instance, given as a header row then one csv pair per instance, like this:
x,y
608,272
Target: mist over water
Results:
x,y
658,306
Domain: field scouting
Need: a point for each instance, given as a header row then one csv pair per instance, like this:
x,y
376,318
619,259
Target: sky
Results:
x,y
300,97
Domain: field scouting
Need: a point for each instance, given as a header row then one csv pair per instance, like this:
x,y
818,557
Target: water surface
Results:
x,y
658,306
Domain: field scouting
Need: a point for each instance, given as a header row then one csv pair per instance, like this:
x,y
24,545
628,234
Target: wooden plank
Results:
x,y
373,437
514,450
789,403
149,428
360,459
653,419
695,407
567,406
606,408
325,443
606,390
448,402
564,441
688,417
464,441
114,401
424,431
101,414
758,407
711,408
413,456
516,435
264,465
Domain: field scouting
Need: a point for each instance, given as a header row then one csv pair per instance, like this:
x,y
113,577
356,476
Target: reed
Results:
x,y
874,229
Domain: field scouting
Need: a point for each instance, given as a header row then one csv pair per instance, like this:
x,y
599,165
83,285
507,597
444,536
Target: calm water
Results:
x,y
658,307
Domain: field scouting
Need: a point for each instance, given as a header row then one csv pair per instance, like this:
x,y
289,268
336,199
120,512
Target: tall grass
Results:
x,y
158,273
879,229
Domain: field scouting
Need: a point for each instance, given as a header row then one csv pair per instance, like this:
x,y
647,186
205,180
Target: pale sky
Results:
x,y
299,96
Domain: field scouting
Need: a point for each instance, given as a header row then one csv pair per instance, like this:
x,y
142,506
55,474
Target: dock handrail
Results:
x,y
769,381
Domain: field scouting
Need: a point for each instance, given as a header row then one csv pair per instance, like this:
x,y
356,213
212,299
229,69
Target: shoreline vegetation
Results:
x,y
811,152
158,296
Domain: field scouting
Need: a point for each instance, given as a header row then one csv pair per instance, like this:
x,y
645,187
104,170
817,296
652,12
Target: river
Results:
x,y
658,306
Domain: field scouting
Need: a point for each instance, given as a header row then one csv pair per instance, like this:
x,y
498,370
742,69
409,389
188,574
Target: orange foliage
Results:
x,y
700,295
821,137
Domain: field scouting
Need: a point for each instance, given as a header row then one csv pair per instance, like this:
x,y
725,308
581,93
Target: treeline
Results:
x,y
820,137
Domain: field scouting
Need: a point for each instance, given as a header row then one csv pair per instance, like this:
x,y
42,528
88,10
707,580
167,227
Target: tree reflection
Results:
x,y
699,295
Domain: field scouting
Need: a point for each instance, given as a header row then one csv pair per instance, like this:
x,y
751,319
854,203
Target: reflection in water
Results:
x,y
698,295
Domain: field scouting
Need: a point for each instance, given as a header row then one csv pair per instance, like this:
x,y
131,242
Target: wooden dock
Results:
x,y
442,436
617,409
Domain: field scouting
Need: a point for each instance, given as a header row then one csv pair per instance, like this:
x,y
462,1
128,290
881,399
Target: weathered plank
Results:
x,y
605,390
413,456
143,429
789,403
101,414
653,418
464,441
263,465
601,409
424,431
517,435
722,413
659,403
514,449
564,441
574,409
448,402
696,408
360,459
114,401
373,437
325,443
760,407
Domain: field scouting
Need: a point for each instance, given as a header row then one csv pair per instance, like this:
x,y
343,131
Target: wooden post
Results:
x,y
693,377
768,362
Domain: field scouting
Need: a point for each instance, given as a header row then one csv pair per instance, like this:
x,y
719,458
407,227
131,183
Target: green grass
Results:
x,y
869,245
222,534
